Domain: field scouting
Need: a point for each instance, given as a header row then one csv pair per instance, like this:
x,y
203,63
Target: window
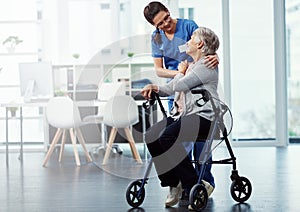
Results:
x,y
252,70
21,19
293,67
187,13
191,13
181,12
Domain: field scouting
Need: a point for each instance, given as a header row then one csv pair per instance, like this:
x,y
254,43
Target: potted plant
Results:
x,y
76,55
11,42
60,93
130,54
12,111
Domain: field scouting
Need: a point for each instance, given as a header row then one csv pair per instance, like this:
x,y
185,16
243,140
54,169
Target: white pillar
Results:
x,y
280,73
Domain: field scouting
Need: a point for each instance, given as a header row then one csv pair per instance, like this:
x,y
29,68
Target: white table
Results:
x,y
20,104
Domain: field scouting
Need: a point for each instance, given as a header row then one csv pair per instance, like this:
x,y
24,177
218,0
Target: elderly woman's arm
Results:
x,y
197,76
165,90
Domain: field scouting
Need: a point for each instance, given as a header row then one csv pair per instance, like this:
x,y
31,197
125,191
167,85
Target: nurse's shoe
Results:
x,y
209,187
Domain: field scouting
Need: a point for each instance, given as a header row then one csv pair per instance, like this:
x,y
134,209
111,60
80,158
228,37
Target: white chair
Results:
x,y
105,92
121,112
63,114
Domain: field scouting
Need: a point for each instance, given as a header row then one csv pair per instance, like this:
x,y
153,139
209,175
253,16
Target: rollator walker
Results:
x,y
240,188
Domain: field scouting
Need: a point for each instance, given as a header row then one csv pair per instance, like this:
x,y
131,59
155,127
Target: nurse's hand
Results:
x,y
211,61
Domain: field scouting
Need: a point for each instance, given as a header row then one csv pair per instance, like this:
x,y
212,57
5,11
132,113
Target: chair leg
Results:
x,y
52,146
62,147
103,135
82,142
73,139
111,139
134,151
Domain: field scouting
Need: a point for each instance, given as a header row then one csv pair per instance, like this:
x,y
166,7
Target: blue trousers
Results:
x,y
198,147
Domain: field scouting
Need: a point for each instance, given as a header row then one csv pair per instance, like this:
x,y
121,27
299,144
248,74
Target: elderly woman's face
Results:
x,y
192,44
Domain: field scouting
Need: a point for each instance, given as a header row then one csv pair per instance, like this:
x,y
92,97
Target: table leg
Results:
x,y
21,135
6,123
103,135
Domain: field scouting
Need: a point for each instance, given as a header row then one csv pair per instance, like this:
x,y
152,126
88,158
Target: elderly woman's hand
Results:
x,y
183,66
147,90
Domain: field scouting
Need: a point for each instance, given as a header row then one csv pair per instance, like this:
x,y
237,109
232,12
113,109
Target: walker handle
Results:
x,y
205,96
148,103
151,101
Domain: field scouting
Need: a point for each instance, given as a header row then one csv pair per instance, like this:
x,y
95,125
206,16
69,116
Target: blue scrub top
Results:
x,y
168,49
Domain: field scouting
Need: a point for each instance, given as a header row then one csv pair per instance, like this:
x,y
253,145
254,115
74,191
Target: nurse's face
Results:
x,y
163,21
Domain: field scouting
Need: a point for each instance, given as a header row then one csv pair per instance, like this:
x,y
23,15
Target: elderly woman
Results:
x,y
188,122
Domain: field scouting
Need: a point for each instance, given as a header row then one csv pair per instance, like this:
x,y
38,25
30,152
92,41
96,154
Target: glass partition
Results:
x,y
293,67
252,70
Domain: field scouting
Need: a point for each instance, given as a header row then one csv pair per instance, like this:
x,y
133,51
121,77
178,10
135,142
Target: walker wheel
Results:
x,y
198,197
241,189
135,193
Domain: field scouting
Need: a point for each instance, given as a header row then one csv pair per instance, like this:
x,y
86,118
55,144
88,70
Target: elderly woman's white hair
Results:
x,y
209,38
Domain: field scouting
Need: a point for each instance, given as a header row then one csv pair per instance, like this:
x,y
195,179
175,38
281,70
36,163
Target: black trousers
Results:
x,y
164,141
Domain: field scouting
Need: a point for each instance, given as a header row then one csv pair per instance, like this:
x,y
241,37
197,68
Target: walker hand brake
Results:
x,y
205,96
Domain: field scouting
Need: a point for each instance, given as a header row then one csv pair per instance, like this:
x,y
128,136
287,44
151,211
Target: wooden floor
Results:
x,y
27,186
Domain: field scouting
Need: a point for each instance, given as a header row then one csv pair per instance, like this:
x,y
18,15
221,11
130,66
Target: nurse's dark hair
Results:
x,y
150,11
